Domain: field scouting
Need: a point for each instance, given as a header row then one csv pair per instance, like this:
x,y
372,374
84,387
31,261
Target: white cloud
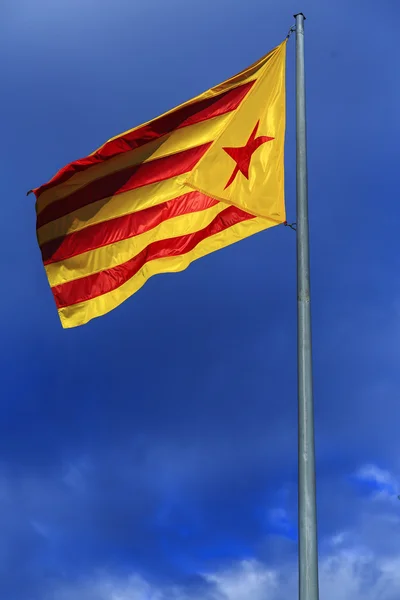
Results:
x,y
280,523
76,473
383,482
348,574
339,539
247,579
361,563
372,472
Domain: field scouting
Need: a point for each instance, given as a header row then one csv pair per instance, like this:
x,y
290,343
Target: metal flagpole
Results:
x,y
308,547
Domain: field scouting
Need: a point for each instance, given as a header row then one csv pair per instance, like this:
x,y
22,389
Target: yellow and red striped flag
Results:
x,y
153,199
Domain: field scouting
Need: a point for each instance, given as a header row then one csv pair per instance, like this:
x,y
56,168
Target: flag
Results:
x,y
157,197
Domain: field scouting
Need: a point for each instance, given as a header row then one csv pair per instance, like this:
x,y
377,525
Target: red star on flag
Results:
x,y
242,156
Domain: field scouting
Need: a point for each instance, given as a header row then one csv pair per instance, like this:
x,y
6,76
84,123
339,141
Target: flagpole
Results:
x,y
308,546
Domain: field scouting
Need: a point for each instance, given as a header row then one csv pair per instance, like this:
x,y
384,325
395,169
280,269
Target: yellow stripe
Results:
x,y
112,207
79,314
176,141
248,74
118,253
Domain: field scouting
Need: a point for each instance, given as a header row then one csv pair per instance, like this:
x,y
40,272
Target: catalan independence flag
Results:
x,y
157,197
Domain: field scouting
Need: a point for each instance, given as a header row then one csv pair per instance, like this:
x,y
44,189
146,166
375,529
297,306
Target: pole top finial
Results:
x,y
298,14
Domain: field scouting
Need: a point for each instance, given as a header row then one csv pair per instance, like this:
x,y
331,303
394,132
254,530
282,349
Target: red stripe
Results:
x,y
123,181
122,228
190,114
98,284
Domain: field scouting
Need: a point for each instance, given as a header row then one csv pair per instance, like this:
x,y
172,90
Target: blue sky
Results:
x,y
152,453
